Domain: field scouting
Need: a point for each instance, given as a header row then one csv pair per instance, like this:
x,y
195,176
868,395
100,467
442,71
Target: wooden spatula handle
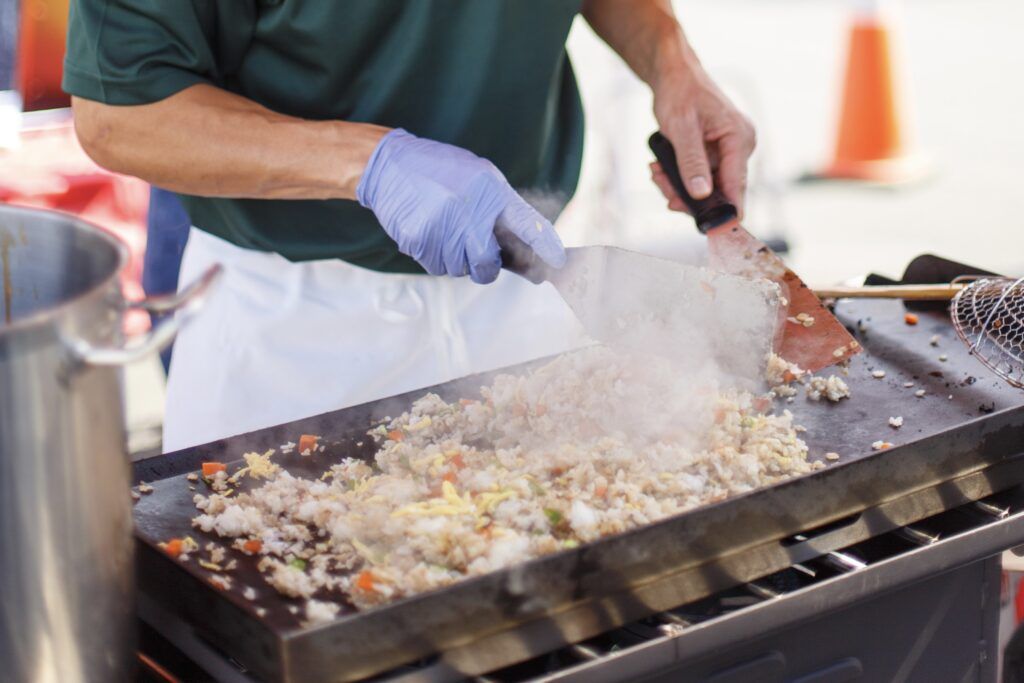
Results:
x,y
710,212
908,292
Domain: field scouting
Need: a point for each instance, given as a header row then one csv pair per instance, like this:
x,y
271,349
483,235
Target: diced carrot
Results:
x,y
761,403
910,319
720,413
458,462
599,491
518,410
307,442
212,468
541,410
396,435
174,547
788,377
253,546
466,402
365,580
449,477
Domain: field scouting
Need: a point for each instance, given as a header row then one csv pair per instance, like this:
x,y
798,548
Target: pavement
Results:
x,y
782,61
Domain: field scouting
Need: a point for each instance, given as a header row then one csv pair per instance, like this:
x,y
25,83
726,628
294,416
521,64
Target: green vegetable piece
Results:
x,y
297,563
554,516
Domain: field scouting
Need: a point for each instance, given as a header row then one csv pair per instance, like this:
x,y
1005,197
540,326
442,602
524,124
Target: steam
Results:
x,y
700,320
547,204
680,336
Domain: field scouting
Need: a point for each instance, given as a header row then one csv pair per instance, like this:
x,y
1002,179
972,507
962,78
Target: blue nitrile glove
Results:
x,y
440,204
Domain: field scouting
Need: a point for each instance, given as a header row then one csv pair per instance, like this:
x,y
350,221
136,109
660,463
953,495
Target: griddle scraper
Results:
x,y
811,337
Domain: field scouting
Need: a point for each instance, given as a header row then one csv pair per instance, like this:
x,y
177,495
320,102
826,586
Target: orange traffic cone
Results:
x,y
41,53
870,144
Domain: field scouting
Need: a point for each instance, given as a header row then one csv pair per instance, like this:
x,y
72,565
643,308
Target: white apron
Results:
x,y
278,341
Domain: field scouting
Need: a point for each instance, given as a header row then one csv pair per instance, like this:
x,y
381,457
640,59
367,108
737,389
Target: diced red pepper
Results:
x,y
910,319
253,546
174,547
365,581
458,462
396,435
212,468
307,442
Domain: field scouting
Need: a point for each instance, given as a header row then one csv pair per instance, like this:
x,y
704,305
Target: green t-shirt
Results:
x,y
491,76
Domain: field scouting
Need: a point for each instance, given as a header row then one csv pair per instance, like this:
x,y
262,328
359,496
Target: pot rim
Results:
x,y
49,315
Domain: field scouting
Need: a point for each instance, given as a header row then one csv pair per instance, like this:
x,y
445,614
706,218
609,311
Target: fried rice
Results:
x,y
591,444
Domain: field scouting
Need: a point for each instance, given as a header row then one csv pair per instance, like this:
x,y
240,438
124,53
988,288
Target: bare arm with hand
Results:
x,y
438,202
713,140
209,142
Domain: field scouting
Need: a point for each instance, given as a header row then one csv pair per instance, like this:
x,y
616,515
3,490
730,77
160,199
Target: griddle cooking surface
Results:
x,y
904,352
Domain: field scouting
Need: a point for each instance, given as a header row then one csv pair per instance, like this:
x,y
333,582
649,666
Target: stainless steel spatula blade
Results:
x,y
692,316
688,314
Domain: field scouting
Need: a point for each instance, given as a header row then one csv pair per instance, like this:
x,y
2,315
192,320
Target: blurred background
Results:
x,y
954,67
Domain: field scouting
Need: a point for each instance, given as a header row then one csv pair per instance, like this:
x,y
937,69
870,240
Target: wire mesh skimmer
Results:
x,y
988,315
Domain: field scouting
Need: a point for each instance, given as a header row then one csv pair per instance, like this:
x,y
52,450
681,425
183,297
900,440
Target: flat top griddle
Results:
x,y
967,421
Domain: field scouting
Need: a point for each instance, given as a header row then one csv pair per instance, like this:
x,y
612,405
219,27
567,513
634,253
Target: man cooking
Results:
x,y
340,157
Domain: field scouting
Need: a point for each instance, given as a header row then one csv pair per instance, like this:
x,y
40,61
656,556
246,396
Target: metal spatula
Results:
x,y
691,315
812,337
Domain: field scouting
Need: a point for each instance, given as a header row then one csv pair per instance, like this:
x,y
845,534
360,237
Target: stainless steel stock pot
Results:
x,y
66,573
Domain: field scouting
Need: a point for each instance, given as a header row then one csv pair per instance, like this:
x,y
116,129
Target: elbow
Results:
x,y
96,128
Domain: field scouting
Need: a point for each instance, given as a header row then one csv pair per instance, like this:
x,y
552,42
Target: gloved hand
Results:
x,y
440,204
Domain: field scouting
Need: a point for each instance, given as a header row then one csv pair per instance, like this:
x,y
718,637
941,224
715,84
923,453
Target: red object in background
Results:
x,y
1018,601
50,170
40,59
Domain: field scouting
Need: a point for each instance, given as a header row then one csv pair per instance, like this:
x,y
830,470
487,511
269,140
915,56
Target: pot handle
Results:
x,y
184,304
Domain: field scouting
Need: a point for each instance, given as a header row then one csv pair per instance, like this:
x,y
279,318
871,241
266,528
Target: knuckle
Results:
x,y
748,132
694,161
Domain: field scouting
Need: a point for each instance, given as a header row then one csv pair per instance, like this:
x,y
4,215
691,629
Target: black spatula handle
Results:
x,y
518,257
710,212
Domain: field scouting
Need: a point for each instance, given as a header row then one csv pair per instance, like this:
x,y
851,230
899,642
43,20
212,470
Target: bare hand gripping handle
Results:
x,y
710,212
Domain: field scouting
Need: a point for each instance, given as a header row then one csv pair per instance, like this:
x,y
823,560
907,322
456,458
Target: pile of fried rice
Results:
x,y
593,443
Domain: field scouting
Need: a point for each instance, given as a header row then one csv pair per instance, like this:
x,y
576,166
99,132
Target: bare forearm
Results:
x,y
646,35
207,141
699,120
